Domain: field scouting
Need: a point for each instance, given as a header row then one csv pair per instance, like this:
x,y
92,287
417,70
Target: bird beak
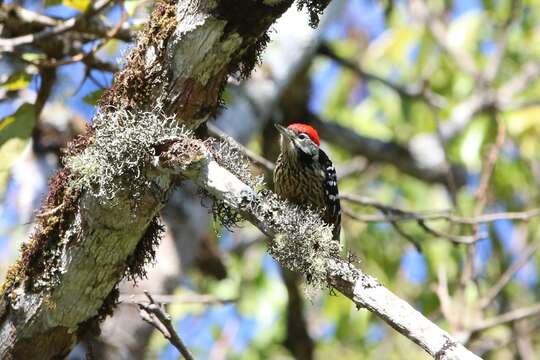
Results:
x,y
287,134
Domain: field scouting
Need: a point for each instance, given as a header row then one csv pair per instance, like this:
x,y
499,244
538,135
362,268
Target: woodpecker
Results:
x,y
305,176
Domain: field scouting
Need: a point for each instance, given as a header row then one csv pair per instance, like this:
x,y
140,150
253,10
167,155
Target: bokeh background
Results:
x,y
431,113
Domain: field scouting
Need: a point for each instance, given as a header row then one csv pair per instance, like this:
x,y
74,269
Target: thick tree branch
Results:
x,y
272,218
106,228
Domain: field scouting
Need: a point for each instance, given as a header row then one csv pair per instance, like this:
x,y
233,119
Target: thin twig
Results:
x,y
394,221
418,91
407,237
398,214
513,315
81,56
175,299
438,30
445,300
12,43
530,71
505,278
154,314
30,17
457,239
481,196
508,340
501,42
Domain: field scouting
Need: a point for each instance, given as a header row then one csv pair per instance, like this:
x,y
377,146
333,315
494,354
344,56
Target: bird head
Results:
x,y
299,138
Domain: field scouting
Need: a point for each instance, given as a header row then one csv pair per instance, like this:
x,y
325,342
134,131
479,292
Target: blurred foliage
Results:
x,y
405,53
15,134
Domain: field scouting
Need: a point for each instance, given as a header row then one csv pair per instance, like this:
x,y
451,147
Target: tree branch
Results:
x,y
416,91
64,283
11,43
283,225
154,314
399,214
505,278
513,315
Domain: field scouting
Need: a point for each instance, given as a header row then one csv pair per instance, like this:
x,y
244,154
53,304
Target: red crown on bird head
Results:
x,y
306,129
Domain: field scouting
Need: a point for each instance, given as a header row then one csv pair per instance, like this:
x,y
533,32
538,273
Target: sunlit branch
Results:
x,y
362,289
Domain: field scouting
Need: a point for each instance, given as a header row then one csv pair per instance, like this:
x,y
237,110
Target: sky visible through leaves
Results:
x,y
252,325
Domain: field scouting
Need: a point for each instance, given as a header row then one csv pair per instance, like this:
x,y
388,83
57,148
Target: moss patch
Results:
x,y
145,252
38,262
133,86
249,19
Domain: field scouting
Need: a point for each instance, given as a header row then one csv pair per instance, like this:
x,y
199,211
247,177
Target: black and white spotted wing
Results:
x,y
333,207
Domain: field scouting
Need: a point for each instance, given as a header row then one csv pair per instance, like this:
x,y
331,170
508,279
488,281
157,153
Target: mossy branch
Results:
x,y
98,222
301,242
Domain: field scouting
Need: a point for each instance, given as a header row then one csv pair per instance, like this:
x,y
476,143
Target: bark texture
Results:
x,y
298,243
84,244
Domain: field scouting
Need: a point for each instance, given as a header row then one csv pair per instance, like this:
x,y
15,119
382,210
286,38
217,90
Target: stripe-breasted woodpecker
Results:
x,y
305,176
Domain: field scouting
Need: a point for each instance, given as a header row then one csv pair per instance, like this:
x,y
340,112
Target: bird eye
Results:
x,y
303,136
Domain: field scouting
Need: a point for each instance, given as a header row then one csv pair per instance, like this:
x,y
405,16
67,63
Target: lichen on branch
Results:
x,y
301,242
120,157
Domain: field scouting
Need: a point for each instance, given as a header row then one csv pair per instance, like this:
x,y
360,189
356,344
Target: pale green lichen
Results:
x,y
227,153
124,146
304,242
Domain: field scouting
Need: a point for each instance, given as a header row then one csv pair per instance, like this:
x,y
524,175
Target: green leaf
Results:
x,y
464,32
80,5
9,153
471,143
52,2
17,81
15,132
32,56
18,125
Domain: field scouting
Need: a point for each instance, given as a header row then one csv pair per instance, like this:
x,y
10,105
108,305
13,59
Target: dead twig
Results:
x,y
510,316
175,299
505,278
11,43
399,215
154,314
481,197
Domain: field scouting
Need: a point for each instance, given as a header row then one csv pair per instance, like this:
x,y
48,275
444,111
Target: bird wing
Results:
x,y
333,208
